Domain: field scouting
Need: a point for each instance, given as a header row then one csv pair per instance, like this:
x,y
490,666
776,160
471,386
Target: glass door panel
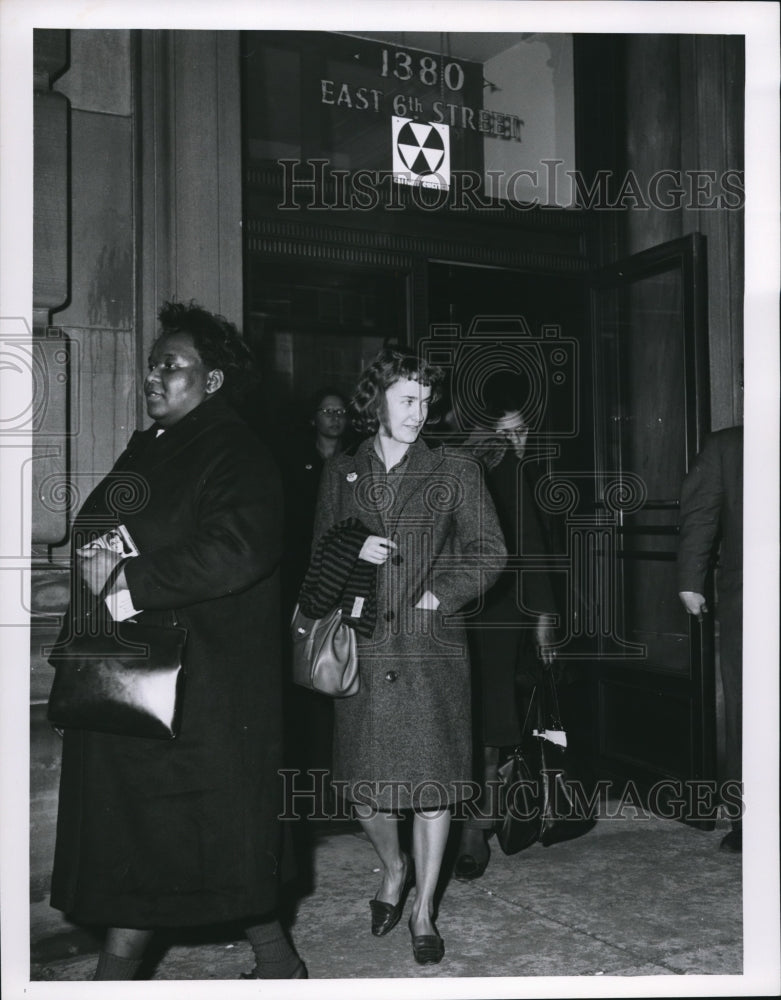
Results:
x,y
651,410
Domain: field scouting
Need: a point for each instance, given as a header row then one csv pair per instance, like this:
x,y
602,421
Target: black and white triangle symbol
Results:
x,y
420,147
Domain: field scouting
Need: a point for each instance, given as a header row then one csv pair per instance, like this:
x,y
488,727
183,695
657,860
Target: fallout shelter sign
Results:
x,y
422,118
421,153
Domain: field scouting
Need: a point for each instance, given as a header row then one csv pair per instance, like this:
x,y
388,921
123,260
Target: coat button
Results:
x,y
391,676
389,616
397,559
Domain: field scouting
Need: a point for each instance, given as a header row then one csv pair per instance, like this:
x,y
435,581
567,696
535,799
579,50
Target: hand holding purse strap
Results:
x,y
111,579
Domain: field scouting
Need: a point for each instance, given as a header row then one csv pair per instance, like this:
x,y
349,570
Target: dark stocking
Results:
x,y
275,957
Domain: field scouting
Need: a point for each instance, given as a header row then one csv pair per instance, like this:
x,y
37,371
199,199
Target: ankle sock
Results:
x,y
275,957
115,968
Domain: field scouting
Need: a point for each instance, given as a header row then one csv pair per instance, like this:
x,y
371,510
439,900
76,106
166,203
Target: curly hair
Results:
x,y
390,366
217,341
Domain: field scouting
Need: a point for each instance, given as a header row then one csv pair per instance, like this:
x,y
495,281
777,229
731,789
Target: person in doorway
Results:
x,y
301,462
511,645
157,834
403,742
309,715
711,517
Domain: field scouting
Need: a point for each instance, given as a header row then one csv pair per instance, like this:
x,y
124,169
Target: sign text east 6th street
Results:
x,y
491,123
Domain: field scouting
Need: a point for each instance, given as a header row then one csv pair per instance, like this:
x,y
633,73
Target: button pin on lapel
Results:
x,y
351,477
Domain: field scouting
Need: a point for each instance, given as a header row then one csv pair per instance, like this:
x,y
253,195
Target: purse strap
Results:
x,y
111,579
552,701
528,710
548,712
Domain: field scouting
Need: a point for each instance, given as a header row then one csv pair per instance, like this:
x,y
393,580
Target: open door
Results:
x,y
656,696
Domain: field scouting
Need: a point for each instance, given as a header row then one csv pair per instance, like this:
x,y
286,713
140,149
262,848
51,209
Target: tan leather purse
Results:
x,y
325,654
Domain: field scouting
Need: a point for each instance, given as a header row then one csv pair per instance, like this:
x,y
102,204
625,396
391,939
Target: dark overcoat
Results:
x,y
405,739
712,512
156,833
507,664
712,518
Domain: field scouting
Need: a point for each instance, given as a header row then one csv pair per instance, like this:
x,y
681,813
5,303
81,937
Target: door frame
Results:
x,y
692,698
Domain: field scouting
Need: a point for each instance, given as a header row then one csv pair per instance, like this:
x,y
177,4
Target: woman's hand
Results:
x,y
428,602
544,637
376,549
95,566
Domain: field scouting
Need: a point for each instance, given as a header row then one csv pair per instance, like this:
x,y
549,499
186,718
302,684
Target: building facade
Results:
x,y
573,201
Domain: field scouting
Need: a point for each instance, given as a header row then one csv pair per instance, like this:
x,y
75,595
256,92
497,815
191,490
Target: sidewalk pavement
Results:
x,y
632,897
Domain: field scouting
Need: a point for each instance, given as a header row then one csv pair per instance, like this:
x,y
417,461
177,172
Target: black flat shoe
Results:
x,y
468,867
385,916
427,949
300,972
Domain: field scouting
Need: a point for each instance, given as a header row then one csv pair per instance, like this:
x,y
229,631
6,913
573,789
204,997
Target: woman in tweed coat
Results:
x,y
404,740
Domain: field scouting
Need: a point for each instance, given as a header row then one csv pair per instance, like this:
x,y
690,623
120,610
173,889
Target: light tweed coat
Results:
x,y
410,724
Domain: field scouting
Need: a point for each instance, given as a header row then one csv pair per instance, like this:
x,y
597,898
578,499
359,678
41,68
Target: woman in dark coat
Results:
x,y
404,741
154,833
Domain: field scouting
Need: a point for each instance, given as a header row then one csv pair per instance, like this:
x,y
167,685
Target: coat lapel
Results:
x,y
421,463
357,471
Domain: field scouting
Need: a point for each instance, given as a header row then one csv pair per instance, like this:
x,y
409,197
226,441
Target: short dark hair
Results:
x,y
506,392
217,341
317,398
390,365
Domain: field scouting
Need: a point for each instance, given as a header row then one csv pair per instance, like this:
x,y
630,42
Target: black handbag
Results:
x,y
518,826
325,654
125,678
543,794
565,810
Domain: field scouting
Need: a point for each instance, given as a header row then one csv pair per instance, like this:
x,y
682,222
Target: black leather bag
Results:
x,y
325,654
518,826
519,803
543,794
119,677
127,680
565,782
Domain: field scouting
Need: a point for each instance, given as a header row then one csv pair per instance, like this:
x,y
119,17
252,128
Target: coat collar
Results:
x,y
420,464
160,447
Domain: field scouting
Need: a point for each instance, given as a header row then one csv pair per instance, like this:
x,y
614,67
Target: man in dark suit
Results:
x,y
510,645
712,513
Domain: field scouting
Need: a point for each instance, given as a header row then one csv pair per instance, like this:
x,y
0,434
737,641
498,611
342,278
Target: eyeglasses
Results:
x,y
332,413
